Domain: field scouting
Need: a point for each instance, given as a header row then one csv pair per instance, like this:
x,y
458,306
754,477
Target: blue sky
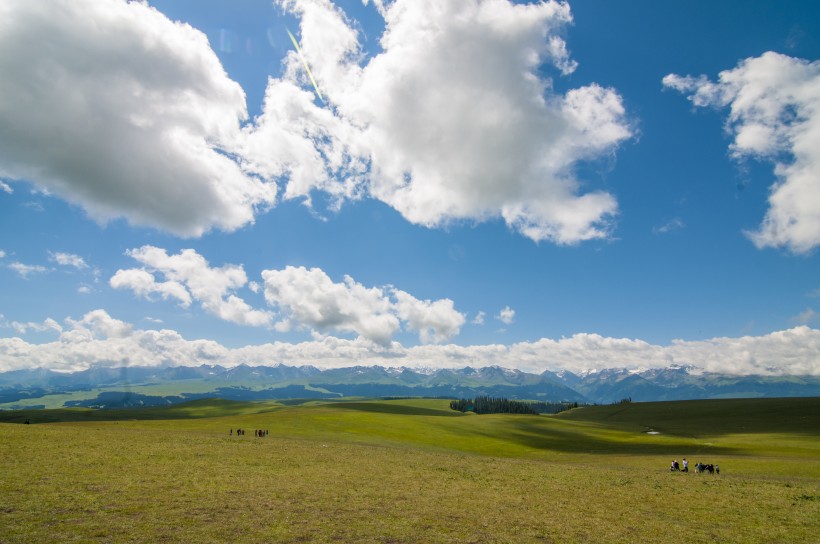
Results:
x,y
575,186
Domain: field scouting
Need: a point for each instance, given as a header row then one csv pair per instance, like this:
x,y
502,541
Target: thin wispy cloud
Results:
x,y
27,270
806,317
34,206
68,259
674,224
47,325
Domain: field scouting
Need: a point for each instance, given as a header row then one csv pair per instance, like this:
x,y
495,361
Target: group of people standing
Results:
x,y
699,467
676,466
258,433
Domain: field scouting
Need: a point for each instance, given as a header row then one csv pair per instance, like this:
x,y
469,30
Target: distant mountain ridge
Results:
x,y
140,385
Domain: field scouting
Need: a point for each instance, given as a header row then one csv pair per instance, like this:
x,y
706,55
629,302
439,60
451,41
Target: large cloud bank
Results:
x,y
99,339
451,121
111,105
774,114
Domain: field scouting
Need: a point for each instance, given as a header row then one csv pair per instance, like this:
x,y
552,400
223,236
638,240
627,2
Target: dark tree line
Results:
x,y
493,405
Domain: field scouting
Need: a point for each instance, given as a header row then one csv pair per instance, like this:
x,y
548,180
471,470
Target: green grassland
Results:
x,y
412,471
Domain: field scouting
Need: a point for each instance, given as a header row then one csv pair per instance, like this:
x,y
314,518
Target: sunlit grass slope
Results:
x,y
412,471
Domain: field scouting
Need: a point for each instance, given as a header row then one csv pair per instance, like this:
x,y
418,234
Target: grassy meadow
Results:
x,y
400,471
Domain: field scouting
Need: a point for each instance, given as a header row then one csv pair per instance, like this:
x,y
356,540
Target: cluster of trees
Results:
x,y
493,405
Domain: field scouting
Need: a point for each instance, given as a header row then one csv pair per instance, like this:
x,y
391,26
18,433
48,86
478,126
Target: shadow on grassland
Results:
x,y
705,418
397,409
295,402
196,409
532,433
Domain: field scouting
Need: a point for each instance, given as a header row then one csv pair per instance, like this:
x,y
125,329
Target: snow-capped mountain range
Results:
x,y
23,388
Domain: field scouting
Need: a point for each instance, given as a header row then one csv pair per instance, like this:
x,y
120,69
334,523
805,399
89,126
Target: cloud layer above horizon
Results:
x,y
99,339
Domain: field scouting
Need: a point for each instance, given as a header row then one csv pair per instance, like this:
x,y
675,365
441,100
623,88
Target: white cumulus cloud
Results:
x,y
506,315
188,276
435,321
111,105
453,120
774,115
310,298
95,325
144,285
303,298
